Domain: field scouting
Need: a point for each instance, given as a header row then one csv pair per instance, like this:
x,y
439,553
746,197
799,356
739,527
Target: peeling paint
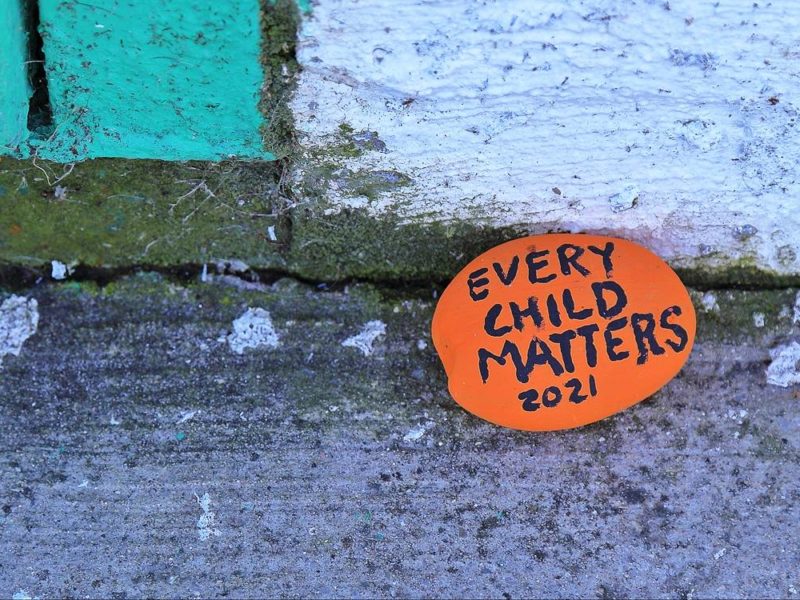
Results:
x,y
784,370
796,309
416,432
709,302
207,521
366,338
58,270
253,329
19,318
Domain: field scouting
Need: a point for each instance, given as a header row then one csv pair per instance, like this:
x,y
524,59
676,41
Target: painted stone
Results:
x,y
557,331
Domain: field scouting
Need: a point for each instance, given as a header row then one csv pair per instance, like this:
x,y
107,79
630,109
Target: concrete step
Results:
x,y
116,214
184,458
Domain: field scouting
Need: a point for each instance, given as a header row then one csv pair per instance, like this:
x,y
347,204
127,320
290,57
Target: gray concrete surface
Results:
x,y
140,456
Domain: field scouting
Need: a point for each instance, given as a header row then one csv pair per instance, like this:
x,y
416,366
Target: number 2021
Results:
x,y
552,396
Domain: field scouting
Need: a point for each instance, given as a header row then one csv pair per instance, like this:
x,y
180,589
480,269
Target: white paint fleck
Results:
x,y
422,344
60,192
365,339
759,319
784,370
737,416
271,233
253,329
416,432
207,521
114,421
796,310
84,483
58,269
19,318
23,595
624,200
720,553
186,415
486,114
232,265
204,273
709,302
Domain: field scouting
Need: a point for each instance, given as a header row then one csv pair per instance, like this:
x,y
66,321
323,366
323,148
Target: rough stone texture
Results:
x,y
141,456
668,123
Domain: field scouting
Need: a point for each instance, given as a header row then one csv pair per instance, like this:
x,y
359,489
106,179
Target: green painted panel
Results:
x,y
177,80
14,89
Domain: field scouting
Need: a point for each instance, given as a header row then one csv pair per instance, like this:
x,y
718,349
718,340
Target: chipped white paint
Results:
x,y
232,265
58,269
759,319
365,339
19,318
206,522
23,595
669,123
796,309
709,302
784,370
416,432
253,329
186,416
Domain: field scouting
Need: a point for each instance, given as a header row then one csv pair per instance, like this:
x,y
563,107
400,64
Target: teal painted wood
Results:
x,y
177,80
14,89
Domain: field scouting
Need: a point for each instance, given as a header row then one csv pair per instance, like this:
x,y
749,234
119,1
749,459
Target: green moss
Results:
x,y
114,213
742,274
732,317
280,20
352,243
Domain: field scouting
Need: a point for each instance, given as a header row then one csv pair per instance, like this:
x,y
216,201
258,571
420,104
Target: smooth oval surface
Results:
x,y
557,331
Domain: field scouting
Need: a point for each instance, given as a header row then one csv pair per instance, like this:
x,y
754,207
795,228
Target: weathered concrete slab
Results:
x,y
672,124
142,455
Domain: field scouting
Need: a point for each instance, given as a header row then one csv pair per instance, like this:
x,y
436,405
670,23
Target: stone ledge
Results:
x,y
116,214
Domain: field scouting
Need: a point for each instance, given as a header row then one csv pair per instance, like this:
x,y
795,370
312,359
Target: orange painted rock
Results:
x,y
557,331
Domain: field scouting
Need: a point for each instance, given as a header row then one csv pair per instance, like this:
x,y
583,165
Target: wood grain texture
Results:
x,y
672,124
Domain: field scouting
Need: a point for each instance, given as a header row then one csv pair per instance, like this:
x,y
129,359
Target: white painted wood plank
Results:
x,y
671,124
